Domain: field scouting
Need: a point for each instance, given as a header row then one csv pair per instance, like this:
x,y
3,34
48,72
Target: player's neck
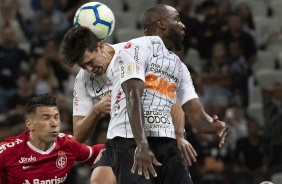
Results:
x,y
39,144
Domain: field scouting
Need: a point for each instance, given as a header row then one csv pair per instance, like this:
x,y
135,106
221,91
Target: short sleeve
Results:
x,y
186,89
132,59
82,101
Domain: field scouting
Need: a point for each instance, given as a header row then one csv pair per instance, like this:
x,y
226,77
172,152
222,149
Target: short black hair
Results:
x,y
75,42
39,101
152,14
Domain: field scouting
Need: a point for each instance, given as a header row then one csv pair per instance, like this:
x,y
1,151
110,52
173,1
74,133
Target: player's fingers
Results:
x,y
222,138
186,156
156,163
133,168
192,153
214,117
145,171
140,166
152,170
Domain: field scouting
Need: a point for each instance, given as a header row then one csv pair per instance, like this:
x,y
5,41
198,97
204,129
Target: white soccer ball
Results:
x,y
98,17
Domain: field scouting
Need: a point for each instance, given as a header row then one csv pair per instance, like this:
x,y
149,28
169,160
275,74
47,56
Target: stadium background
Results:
x,y
239,80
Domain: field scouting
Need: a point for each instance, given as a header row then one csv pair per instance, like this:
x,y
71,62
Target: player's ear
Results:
x,y
29,124
161,24
100,46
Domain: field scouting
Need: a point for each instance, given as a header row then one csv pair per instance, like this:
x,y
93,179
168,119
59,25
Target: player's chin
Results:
x,y
53,139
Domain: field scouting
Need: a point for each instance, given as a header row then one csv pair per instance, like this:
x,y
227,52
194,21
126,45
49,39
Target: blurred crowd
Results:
x,y
228,43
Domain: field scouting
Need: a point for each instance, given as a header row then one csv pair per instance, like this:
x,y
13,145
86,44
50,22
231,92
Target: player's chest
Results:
x,y
98,87
32,168
165,65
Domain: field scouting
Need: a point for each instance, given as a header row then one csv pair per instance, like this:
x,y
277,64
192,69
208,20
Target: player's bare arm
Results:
x,y
143,156
187,150
84,126
202,121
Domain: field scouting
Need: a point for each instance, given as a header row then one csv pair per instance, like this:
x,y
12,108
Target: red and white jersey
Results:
x,y
22,163
165,79
89,89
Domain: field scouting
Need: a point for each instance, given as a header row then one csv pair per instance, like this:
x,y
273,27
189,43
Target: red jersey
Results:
x,y
22,163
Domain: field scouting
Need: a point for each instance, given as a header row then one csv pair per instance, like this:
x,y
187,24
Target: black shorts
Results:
x,y
119,154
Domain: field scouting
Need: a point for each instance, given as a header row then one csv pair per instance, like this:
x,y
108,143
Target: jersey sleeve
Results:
x,y
84,153
132,59
82,101
186,89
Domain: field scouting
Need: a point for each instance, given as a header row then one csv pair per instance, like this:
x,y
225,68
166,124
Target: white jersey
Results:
x,y
89,89
165,78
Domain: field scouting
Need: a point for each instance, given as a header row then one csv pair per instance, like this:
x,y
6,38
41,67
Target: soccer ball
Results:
x,y
98,17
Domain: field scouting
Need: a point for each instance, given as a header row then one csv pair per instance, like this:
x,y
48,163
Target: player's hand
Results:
x,y
144,160
104,105
221,129
187,150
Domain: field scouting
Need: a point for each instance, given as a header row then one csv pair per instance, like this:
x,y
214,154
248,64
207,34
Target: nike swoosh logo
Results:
x,y
25,167
99,90
155,55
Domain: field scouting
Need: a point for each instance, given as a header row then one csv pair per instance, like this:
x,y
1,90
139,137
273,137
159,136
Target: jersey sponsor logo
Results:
x,y
119,58
154,126
155,42
3,147
155,68
74,88
136,53
99,89
116,105
55,180
121,71
156,117
26,160
156,55
160,85
61,161
26,167
76,101
127,45
104,94
138,67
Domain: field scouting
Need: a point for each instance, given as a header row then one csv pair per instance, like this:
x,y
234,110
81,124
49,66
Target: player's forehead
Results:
x,y
87,57
48,110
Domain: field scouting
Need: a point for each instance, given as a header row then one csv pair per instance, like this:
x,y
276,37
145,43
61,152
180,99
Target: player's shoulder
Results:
x,y
12,144
65,139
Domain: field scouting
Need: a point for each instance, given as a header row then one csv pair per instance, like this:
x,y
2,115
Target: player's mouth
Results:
x,y
55,133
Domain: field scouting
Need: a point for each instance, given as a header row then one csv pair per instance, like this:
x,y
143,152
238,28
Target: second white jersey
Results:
x,y
89,89
165,78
